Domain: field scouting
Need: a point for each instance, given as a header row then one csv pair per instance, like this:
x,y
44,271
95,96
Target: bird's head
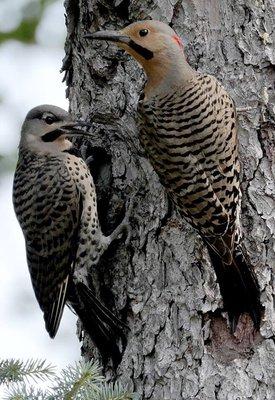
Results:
x,y
46,129
153,44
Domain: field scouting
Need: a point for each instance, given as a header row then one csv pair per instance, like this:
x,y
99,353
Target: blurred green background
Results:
x,y
32,34
21,19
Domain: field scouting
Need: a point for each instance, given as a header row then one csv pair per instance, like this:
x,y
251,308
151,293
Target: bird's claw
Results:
x,y
83,152
125,225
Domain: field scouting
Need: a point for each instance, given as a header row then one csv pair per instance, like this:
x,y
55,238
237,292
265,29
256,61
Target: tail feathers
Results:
x,y
53,313
239,288
102,325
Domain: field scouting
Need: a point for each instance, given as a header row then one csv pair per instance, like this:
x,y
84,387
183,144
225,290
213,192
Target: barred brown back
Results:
x,y
190,137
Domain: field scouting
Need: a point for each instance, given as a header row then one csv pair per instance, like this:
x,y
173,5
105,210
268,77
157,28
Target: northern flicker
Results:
x,y
187,126
55,202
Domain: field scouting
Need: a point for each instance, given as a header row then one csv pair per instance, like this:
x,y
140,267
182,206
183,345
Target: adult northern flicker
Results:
x,y
188,128
55,202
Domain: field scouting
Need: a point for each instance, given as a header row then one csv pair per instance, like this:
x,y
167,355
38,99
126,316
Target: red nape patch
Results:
x,y
178,40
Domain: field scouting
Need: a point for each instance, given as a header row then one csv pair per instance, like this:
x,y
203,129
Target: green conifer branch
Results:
x,y
12,370
23,392
84,377
114,392
83,381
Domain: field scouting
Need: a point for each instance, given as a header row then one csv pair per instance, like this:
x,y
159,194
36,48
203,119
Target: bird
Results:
x,y
54,198
187,126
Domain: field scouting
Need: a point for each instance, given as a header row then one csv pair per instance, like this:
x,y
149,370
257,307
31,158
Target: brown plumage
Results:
x,y
55,202
187,126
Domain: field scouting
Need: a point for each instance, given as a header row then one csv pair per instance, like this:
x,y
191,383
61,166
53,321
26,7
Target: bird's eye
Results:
x,y
143,32
49,120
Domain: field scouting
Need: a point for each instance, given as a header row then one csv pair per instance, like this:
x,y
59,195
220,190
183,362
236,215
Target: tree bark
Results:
x,y
163,286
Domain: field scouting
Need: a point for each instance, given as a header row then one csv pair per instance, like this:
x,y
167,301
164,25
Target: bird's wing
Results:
x,y
191,142
224,171
185,180
51,236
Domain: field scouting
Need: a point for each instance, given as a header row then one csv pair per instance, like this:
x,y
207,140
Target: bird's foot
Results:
x,y
85,156
125,225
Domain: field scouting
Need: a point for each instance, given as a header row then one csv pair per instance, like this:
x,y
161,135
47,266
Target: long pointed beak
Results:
x,y
72,128
120,38
109,36
68,129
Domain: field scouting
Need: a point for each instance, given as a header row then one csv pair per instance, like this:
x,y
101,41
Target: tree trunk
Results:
x,y
163,286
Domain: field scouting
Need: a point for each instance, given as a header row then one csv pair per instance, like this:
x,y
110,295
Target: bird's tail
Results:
x,y
102,325
239,287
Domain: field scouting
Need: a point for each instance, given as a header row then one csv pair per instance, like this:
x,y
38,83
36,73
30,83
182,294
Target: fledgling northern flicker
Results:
x,y
188,128
55,202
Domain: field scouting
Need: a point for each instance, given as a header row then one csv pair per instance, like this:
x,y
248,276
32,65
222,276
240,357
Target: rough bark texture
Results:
x,y
163,286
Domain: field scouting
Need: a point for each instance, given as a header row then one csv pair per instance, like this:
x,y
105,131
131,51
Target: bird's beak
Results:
x,y
109,36
75,128
68,129
123,41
